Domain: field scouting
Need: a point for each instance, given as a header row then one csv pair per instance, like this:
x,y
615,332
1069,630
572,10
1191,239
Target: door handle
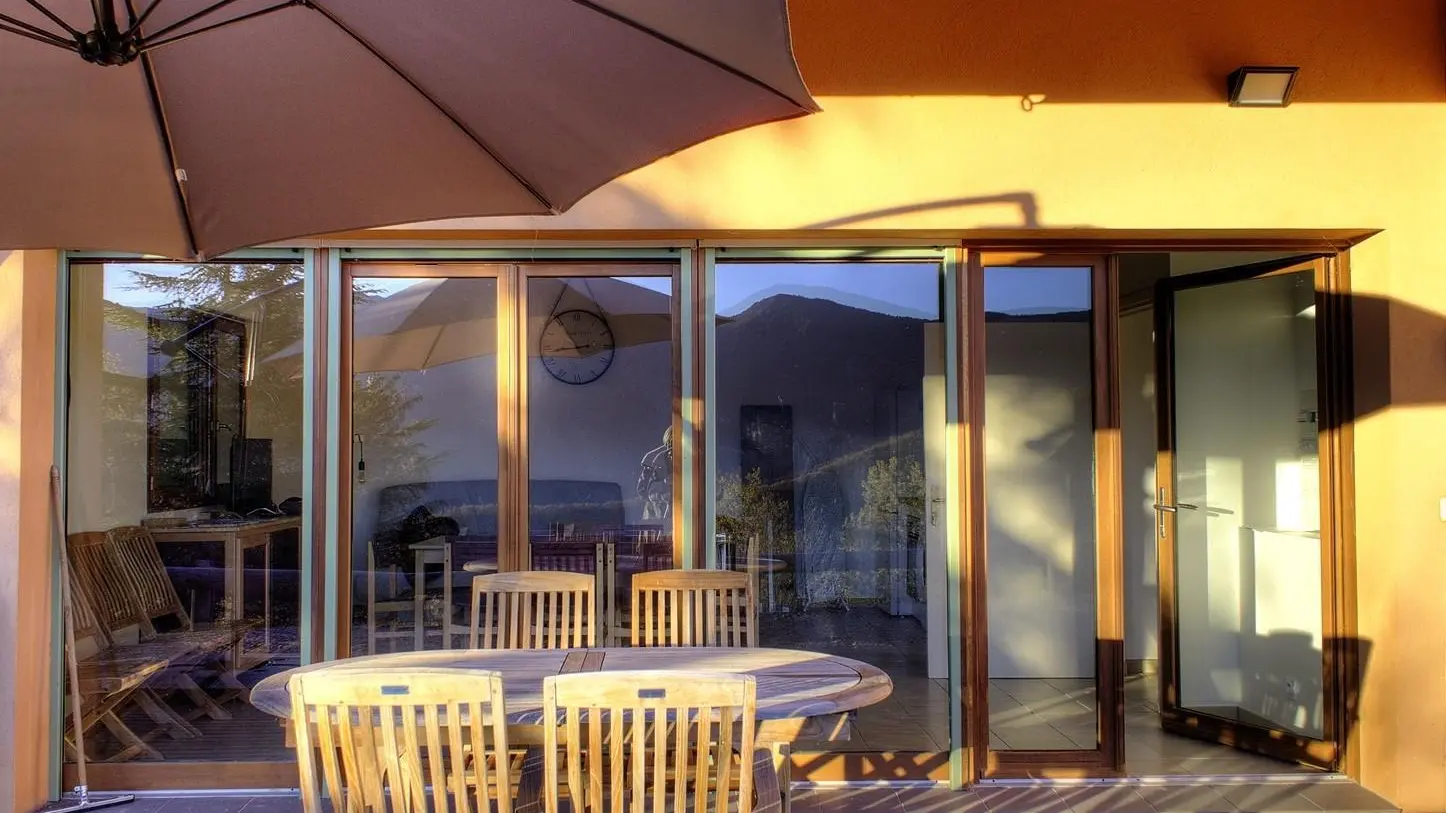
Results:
x,y
1161,508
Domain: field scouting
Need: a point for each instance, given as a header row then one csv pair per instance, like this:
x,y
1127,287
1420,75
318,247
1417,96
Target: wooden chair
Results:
x,y
392,605
383,737
140,562
694,608
130,590
534,610
645,551
655,742
110,679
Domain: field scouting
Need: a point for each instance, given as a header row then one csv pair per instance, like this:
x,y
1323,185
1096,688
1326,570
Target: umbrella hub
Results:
x,y
108,45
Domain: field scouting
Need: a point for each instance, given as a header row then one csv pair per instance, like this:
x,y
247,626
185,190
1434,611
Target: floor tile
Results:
x,y
1269,798
1020,800
1345,796
273,804
852,800
1104,799
937,800
203,804
1186,800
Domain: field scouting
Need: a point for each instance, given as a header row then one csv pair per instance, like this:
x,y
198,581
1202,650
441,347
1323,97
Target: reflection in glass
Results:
x,y
185,473
424,452
829,421
1248,566
600,412
1039,497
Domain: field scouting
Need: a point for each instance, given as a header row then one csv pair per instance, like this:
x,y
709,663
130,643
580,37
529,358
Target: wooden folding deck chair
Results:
x,y
123,614
110,678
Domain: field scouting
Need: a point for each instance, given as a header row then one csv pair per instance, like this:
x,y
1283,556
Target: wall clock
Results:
x,y
577,347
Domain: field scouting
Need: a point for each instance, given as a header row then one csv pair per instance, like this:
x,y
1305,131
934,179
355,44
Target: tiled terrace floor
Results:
x,y
1338,797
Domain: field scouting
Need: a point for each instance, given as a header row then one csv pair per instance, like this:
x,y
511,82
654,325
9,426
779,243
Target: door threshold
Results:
x,y
1178,780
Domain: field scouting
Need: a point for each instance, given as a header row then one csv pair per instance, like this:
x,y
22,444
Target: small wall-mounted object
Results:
x,y
1261,86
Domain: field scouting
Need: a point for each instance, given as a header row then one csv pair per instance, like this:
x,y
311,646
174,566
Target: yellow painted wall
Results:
x,y
925,126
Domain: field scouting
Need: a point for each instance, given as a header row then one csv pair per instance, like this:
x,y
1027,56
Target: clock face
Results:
x,y
577,347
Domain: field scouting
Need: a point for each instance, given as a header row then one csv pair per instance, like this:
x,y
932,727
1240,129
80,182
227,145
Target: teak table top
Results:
x,y
791,683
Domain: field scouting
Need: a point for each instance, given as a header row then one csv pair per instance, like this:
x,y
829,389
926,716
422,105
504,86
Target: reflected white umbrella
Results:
x,y
441,321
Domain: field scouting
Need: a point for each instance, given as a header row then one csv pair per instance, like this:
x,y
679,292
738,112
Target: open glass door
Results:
x,y
1245,549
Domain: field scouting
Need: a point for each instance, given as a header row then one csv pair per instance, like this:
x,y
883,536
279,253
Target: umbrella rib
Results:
x,y
54,18
691,51
185,35
435,103
163,128
20,27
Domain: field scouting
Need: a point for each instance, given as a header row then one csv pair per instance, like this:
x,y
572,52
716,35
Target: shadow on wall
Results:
x,y
1119,51
1025,202
1417,337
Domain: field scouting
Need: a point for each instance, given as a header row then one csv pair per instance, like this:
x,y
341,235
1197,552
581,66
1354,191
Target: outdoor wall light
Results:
x,y
1255,86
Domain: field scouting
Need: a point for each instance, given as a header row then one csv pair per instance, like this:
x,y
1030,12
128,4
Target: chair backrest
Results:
x,y
100,579
140,562
693,608
533,610
670,737
382,737
91,635
567,557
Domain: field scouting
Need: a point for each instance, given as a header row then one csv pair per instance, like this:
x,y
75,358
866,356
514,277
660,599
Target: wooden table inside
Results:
x,y
800,694
237,537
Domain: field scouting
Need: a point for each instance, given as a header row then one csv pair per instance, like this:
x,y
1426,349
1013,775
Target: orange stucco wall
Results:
x,y
27,388
925,127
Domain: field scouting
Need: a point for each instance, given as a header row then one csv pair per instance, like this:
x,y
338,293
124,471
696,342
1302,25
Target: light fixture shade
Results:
x,y
1255,86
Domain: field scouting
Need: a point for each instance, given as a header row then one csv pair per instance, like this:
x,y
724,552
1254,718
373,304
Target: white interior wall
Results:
x,y
1137,411
1039,481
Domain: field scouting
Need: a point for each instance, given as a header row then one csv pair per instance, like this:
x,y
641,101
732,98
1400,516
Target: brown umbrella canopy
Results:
x,y
192,127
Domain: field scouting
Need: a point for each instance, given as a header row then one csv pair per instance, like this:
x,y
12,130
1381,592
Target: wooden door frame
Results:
x,y
1340,654
512,275
1107,758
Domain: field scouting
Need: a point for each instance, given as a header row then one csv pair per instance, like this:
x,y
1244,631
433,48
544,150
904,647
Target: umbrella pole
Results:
x,y
81,799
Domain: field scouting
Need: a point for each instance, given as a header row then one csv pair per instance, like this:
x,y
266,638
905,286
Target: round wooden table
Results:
x,y
800,694
791,683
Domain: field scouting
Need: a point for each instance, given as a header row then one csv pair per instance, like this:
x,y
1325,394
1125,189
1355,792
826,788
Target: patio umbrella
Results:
x,y
187,128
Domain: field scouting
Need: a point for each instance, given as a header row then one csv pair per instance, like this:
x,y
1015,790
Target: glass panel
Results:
x,y
600,416
830,453
1039,494
424,452
185,436
1248,567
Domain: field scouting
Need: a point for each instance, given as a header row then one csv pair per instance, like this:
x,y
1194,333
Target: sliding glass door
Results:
x,y
830,472
1045,536
502,417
